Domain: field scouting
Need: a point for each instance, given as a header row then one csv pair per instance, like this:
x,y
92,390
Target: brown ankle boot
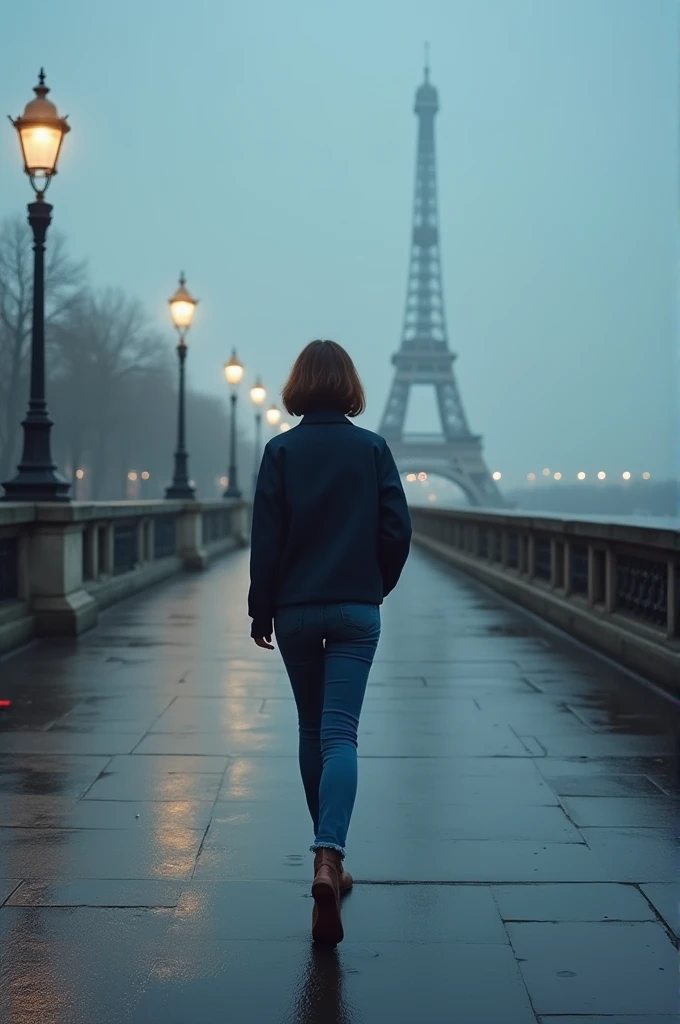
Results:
x,y
346,880
326,919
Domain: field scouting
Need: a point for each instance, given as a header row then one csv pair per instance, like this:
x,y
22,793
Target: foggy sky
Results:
x,y
267,149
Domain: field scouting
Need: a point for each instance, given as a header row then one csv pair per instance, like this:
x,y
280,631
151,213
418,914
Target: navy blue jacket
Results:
x,y
330,519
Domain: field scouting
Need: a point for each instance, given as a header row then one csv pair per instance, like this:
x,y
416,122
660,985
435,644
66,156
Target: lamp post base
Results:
x,y
37,485
232,492
180,492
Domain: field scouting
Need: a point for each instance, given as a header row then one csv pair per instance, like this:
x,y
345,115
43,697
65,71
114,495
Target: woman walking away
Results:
x,y
331,533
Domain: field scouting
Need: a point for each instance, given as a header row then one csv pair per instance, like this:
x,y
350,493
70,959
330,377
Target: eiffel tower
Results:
x,y
424,356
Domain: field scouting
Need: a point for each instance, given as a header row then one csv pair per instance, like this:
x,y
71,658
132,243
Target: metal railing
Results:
x,y
615,584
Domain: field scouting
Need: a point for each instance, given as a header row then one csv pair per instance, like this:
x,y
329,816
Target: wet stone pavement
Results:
x,y
514,839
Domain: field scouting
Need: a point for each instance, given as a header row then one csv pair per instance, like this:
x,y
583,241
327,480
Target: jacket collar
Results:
x,y
323,416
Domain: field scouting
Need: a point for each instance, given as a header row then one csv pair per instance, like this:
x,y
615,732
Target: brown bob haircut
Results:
x,y
324,377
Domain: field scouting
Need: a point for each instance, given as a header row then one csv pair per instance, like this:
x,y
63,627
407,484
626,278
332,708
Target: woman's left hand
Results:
x,y
265,642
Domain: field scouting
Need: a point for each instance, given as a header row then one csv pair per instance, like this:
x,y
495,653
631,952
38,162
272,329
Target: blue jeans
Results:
x,y
328,650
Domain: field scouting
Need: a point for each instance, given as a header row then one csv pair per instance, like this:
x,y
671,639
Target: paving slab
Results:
x,y
98,892
399,982
651,811
577,901
281,911
636,854
34,853
563,976
76,965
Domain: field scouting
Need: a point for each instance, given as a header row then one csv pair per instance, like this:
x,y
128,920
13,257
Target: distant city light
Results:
x,y
284,427
602,475
497,475
80,473
411,477
581,475
145,475
626,475
558,476
432,497
546,472
646,476
132,475
422,476
531,477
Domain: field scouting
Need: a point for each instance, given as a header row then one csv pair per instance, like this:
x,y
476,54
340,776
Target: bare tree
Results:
x,y
103,347
63,282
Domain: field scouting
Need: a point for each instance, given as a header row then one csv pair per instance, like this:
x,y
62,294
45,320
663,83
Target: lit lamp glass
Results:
x,y
273,415
41,132
233,370
258,393
182,306
497,475
80,474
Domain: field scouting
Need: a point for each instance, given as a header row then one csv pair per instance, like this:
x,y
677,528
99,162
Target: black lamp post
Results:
x,y
257,397
182,306
233,372
41,132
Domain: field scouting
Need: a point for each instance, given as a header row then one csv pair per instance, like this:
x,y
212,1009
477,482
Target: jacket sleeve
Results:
x,y
266,544
395,522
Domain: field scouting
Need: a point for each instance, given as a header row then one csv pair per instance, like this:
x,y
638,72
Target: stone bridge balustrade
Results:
x,y
614,585
59,564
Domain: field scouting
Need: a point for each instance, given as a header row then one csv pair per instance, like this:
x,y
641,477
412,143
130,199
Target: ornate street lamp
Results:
x,y
257,396
182,307
41,132
273,415
233,373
